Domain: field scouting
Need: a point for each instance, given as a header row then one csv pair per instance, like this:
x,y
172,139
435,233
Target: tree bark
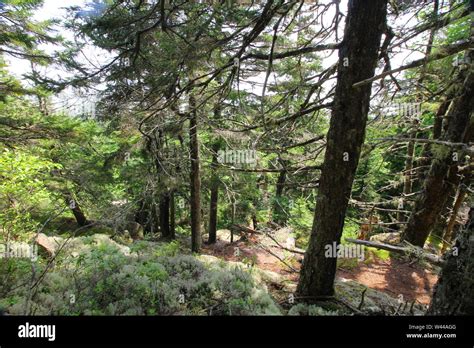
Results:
x,y
453,293
461,195
195,178
172,216
279,214
164,215
443,171
214,187
77,211
357,61
408,173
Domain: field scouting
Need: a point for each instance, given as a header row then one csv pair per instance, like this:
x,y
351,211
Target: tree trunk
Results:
x,y
461,195
195,177
427,154
146,215
165,215
77,211
443,171
214,198
172,216
357,61
442,221
453,293
214,187
279,213
408,173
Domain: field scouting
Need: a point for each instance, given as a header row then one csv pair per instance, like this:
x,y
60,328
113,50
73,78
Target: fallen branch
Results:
x,y
278,257
296,251
398,249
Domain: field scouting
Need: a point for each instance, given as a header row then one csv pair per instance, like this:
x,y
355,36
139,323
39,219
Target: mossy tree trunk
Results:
x,y
442,179
453,294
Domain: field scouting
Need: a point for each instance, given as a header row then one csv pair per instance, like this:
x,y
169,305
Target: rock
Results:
x,y
290,242
375,302
284,235
224,235
390,238
76,246
49,244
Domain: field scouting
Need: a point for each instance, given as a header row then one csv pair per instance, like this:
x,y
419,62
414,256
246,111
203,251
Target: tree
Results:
x,y
214,199
443,172
195,177
453,293
357,61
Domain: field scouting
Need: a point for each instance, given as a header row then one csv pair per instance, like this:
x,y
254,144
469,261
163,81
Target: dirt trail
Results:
x,y
394,277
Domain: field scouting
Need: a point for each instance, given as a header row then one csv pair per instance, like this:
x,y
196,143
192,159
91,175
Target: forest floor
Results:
x,y
393,276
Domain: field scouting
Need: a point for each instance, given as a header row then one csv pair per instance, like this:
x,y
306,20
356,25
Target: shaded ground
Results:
x,y
394,276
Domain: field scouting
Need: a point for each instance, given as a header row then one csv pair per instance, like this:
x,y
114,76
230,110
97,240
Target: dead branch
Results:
x,y
399,249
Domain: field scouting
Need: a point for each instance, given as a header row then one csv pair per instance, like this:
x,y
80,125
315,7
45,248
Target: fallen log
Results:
x,y
410,250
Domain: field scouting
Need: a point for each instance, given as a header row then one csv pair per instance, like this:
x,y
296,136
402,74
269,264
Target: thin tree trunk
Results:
x,y
75,209
439,182
357,61
214,197
195,178
449,234
408,183
78,213
172,216
164,215
214,187
279,214
442,221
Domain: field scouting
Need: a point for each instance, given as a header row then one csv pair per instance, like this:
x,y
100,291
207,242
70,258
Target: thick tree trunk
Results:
x,y
453,293
195,178
443,171
357,61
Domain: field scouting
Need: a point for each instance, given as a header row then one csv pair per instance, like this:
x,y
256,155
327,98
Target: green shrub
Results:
x,y
104,281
